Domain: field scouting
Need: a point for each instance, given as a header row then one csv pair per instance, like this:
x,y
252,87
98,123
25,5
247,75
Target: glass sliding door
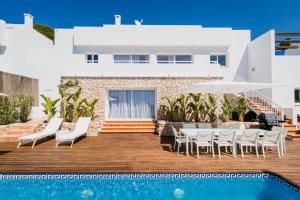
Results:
x,y
131,104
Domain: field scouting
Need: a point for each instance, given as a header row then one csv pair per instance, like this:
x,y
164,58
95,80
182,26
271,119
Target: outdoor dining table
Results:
x,y
191,133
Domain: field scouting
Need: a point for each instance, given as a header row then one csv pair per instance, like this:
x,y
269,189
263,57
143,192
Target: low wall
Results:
x,y
14,84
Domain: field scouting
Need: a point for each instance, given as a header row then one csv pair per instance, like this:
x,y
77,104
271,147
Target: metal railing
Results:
x,y
259,102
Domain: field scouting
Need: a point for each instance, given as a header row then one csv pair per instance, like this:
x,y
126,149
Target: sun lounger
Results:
x,y
50,130
80,130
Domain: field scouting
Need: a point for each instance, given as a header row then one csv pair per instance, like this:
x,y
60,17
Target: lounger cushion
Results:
x,y
70,136
35,136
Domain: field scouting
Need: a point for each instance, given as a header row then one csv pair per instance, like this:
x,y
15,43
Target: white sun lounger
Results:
x,y
81,129
50,130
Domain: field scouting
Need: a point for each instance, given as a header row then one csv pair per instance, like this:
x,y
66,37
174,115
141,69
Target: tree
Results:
x,y
49,106
182,104
169,109
227,108
196,105
45,30
241,108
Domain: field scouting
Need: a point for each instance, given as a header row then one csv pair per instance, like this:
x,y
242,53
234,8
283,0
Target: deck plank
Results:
x,y
138,153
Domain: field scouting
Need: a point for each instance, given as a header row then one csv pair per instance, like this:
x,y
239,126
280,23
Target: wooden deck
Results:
x,y
137,153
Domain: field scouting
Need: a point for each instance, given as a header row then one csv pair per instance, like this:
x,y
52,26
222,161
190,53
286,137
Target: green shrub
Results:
x,y
8,111
23,104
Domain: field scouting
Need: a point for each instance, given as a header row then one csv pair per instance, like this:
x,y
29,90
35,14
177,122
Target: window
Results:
x,y
122,58
177,59
165,59
140,58
131,58
183,59
297,95
218,59
92,58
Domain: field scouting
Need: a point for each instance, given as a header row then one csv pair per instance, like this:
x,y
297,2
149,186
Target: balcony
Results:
x,y
287,44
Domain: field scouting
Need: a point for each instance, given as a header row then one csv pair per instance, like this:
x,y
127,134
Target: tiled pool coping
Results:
x,y
17,176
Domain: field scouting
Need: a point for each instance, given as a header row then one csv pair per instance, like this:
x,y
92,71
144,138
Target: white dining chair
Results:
x,y
205,139
179,139
249,138
227,138
270,139
283,134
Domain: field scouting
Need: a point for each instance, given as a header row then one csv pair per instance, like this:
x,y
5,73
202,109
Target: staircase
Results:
x,y
12,132
259,103
260,106
293,132
145,126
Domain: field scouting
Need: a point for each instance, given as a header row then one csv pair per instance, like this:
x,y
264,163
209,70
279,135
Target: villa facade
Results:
x,y
129,68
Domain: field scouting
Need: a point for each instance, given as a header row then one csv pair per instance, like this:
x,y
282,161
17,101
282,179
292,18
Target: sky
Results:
x,y
257,15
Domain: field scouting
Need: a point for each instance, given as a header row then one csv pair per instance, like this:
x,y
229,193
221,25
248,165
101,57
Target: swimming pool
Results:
x,y
155,186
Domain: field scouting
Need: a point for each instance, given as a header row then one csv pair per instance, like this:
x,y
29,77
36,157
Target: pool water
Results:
x,y
162,188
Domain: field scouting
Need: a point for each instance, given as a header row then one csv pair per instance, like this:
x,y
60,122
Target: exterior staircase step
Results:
x,y
128,131
129,126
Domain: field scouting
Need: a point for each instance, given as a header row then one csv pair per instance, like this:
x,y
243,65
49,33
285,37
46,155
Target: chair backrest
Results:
x,y
227,135
250,135
82,125
272,136
175,132
205,136
283,131
53,125
204,125
298,118
193,125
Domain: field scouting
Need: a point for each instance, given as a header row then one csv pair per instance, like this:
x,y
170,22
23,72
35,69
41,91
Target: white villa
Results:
x,y
141,64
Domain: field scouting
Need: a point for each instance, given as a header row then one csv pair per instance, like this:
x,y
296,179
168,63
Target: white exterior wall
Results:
x,y
260,54
265,66
134,41
28,53
285,70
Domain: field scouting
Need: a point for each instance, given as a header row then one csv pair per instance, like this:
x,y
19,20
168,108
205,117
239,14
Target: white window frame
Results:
x,y
173,61
217,61
296,102
93,61
131,60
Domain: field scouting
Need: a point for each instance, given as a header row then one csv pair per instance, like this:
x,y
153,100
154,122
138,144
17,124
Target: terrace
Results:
x,y
143,152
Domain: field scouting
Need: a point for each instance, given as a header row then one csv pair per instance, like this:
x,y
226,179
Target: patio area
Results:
x,y
138,153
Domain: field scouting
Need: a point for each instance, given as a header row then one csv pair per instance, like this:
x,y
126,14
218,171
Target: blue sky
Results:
x,y
257,15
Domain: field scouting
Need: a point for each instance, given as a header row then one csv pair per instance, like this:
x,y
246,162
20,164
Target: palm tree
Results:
x,y
183,101
241,108
196,106
169,109
227,108
66,96
76,107
49,106
89,108
211,106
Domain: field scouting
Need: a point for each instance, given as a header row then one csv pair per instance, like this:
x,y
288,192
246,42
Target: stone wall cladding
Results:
x,y
97,87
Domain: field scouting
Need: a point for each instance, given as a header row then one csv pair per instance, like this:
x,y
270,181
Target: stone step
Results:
x,y
16,132
294,136
128,126
129,131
